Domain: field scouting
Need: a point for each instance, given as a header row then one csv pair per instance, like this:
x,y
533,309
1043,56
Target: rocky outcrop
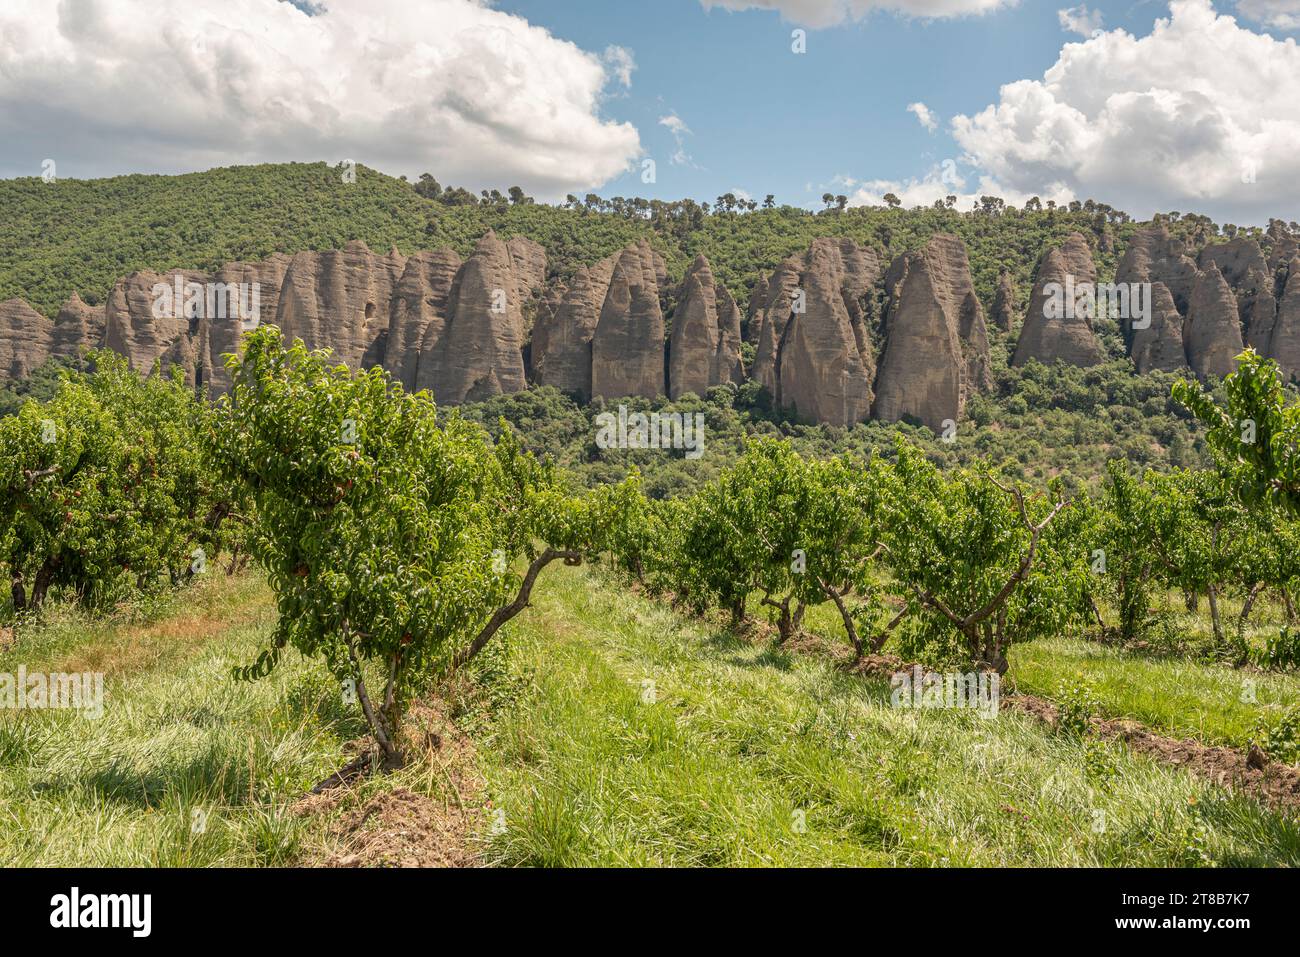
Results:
x,y
936,351
1160,345
77,327
1284,345
1055,329
479,351
146,320
339,299
627,346
26,338
561,352
769,317
1212,336
251,296
1004,302
921,370
419,311
1155,256
704,348
824,375
814,345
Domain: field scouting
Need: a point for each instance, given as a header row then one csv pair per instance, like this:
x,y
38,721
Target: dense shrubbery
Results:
x,y
105,487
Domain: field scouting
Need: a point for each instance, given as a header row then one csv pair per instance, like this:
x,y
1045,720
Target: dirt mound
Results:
x,y
401,827
1276,784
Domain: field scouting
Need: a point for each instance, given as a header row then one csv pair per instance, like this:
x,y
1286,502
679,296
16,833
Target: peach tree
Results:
x,y
389,531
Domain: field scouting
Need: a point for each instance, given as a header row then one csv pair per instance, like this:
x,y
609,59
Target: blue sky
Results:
x,y
1150,105
764,120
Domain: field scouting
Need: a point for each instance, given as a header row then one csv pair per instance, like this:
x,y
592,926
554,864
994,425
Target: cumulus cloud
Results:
x,y
1283,14
829,13
942,180
924,115
1080,20
476,96
1198,115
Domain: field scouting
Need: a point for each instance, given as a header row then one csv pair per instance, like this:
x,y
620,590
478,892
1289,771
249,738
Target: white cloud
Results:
x,y
473,95
924,115
677,126
1199,115
621,63
944,180
1282,14
829,13
1080,20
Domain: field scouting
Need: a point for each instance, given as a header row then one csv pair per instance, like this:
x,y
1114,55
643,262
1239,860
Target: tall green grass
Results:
x,y
744,755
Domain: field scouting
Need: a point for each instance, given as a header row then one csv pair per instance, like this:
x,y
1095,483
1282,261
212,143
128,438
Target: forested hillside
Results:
x,y
83,235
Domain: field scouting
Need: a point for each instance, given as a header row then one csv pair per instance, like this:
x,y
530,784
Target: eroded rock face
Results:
x,y
1049,332
26,338
77,327
339,300
145,321
419,311
922,372
827,339
1213,332
1160,345
1285,341
1155,256
627,346
1004,302
479,351
936,352
824,377
704,348
562,336
252,288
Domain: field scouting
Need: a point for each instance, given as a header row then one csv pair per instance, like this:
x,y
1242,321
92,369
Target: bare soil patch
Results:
x,y
1274,783
404,827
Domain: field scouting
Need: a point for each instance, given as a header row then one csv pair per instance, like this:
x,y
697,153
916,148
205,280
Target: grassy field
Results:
x,y
744,755
607,731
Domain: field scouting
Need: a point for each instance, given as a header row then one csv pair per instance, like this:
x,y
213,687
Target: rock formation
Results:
x,y
936,348
419,310
26,338
479,351
1160,345
1004,302
77,327
824,377
1212,336
561,353
704,348
1053,328
339,299
814,350
1284,345
627,346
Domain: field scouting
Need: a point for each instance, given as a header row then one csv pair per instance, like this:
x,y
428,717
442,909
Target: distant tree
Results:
x,y
428,187
892,201
769,202
828,199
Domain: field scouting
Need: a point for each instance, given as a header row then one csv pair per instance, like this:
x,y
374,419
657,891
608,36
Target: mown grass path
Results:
x,y
641,737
